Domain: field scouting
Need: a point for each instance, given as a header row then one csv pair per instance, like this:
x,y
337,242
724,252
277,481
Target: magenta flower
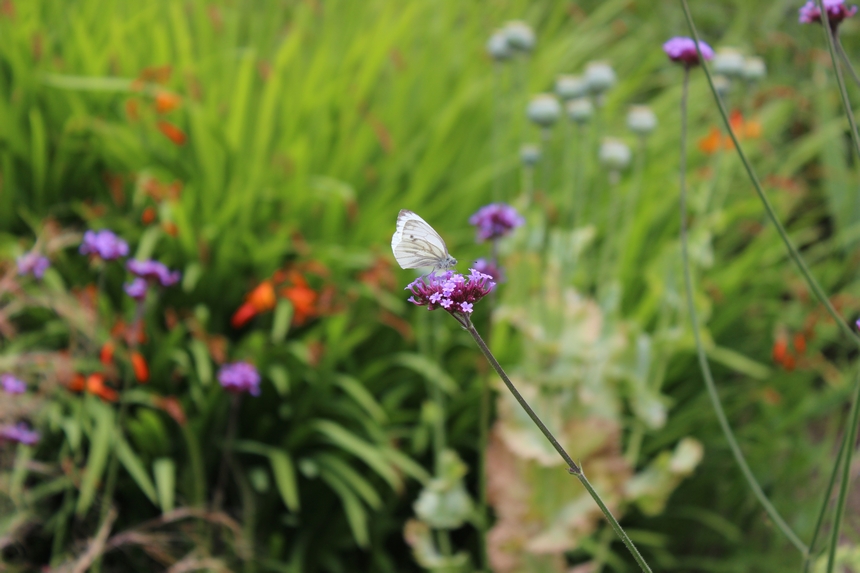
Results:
x,y
495,220
238,377
20,433
451,291
104,244
12,385
136,289
836,12
33,263
683,50
153,271
486,267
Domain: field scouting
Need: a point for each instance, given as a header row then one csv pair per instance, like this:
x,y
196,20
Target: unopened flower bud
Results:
x,y
599,76
580,110
722,84
728,62
497,46
569,87
544,110
754,68
615,154
519,35
641,120
529,154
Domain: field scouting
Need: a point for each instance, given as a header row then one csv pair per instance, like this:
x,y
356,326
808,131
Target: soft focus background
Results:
x,y
273,142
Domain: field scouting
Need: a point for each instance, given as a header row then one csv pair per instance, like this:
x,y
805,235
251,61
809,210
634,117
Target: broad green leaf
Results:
x,y
101,440
362,396
281,322
135,468
430,370
164,470
336,465
280,378
202,360
285,478
355,513
368,453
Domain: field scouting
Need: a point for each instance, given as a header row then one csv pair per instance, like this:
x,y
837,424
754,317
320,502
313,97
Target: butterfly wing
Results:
x,y
416,244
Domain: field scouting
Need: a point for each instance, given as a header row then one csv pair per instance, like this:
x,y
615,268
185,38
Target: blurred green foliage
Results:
x,y
295,131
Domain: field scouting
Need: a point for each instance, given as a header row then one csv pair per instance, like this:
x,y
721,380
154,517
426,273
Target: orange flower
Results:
x,y
172,132
261,299
166,102
170,228
141,369
789,363
78,383
173,408
94,384
710,144
303,299
157,74
780,350
106,354
244,313
148,216
799,343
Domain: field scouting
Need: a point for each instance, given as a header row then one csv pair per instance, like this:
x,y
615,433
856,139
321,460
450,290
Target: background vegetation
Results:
x,y
243,141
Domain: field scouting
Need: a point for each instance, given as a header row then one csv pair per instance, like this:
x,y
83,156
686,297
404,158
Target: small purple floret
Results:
x,y
836,12
451,291
33,263
20,433
489,268
136,289
12,385
238,377
495,220
104,244
153,271
683,50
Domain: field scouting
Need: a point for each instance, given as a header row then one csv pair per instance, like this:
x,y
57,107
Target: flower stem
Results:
x,y
792,250
226,454
845,60
700,350
573,468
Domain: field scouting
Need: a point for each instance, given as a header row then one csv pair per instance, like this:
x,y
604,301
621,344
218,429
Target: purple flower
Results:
x,y
33,263
20,433
12,385
451,291
683,50
104,244
153,271
136,289
486,267
836,12
495,220
238,377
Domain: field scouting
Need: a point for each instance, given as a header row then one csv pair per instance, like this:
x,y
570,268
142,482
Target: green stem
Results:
x,y
573,468
846,61
792,250
496,131
700,350
851,432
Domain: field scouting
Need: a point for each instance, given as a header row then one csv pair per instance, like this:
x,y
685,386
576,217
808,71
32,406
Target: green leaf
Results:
x,y
202,360
285,478
362,396
281,323
280,377
369,454
355,513
147,243
165,482
430,370
192,274
135,468
100,445
336,465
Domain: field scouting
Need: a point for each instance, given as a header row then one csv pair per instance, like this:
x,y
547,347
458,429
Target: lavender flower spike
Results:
x,y
20,433
104,244
451,291
495,221
683,50
153,271
12,385
836,12
238,377
33,263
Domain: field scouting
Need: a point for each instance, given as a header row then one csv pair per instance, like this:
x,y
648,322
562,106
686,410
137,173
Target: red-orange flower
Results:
x,y
711,142
780,350
106,354
148,216
94,384
141,369
261,299
172,132
166,102
800,343
303,298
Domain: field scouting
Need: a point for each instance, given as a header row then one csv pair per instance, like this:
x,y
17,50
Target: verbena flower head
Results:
x,y
729,62
487,267
519,35
495,220
498,48
836,12
641,119
153,271
136,289
238,377
19,433
12,385
614,154
529,154
544,110
104,244
580,110
599,76
569,87
33,263
683,50
451,291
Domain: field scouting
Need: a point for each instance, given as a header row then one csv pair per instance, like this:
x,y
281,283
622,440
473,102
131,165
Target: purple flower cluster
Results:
x,y
20,433
451,291
33,263
238,377
487,267
12,385
136,289
836,12
495,220
104,244
153,271
683,50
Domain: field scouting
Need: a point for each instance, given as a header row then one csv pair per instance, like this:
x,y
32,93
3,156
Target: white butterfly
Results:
x,y
416,244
